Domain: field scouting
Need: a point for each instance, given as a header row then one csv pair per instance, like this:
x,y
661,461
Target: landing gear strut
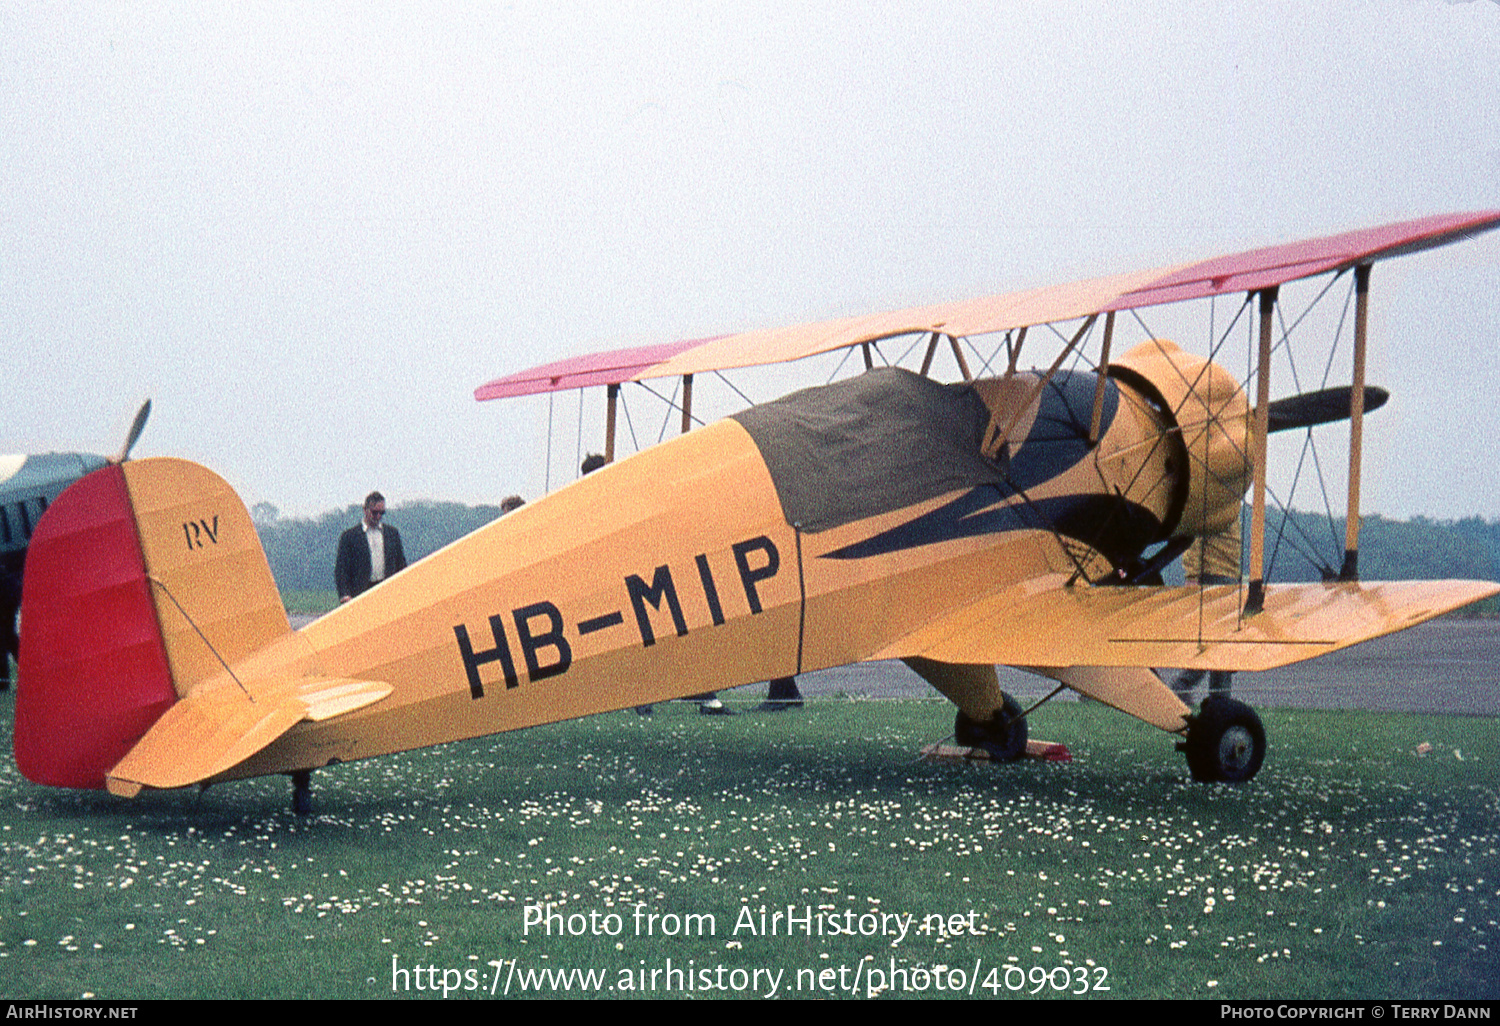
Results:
x,y
302,792
1004,736
1225,741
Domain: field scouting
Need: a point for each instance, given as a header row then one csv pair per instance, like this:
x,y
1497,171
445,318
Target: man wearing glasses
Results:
x,y
369,552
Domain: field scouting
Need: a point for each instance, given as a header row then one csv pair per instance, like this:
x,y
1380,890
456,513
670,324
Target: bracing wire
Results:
x,y
842,360
1243,444
734,388
916,341
671,405
1310,444
199,631
988,361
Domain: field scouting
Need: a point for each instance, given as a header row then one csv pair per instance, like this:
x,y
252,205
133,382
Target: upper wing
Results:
x,y
1239,272
1045,623
608,368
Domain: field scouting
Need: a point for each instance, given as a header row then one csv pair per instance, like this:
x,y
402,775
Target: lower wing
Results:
x,y
1047,623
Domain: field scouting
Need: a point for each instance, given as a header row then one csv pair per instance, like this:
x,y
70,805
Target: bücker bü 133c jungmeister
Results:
x,y
1015,517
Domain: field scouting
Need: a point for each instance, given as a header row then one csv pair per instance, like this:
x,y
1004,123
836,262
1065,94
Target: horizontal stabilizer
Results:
x,y
1045,623
335,696
218,727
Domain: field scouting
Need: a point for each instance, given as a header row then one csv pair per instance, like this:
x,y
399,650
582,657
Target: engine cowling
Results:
x,y
1209,419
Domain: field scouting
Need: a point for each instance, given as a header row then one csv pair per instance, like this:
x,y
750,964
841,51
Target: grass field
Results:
x,y
1350,867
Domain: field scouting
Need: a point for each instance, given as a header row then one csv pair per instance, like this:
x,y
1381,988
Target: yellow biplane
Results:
x,y
1020,519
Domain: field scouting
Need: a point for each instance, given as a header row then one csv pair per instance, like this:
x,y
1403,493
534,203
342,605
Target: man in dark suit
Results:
x,y
369,552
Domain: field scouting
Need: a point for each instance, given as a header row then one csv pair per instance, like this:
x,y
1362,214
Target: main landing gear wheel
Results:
x,y
1004,736
1225,741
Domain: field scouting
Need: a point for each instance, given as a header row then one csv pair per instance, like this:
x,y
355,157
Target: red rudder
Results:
x,y
93,672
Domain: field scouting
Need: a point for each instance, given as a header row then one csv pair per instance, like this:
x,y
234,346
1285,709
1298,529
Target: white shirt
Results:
x,y
376,539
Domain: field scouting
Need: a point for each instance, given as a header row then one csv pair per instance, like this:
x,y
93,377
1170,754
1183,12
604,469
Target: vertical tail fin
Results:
x,y
142,580
216,601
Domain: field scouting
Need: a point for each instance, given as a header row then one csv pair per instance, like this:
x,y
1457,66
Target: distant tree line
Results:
x,y
1303,547
1299,546
1389,550
301,550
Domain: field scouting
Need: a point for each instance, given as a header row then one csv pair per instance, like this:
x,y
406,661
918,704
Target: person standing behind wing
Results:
x,y
369,552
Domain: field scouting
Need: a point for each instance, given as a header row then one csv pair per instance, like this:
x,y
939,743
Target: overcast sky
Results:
x,y
309,231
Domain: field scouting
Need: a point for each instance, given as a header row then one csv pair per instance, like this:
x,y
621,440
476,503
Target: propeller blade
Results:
x,y
1322,407
136,427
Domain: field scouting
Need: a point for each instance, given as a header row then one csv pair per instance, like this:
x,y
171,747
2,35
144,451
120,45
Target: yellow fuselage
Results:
x,y
676,571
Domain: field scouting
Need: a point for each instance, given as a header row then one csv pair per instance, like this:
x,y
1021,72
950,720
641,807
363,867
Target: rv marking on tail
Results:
x,y
195,530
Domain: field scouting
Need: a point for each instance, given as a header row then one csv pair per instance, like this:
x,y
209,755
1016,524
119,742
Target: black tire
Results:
x,y
1225,741
1005,744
